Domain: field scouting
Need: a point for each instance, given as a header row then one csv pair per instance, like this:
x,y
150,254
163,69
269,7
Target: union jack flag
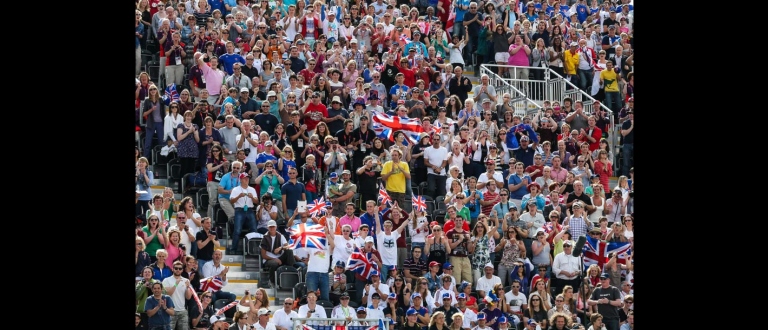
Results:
x,y
398,123
310,236
596,252
318,206
404,40
387,133
451,20
419,203
212,284
384,196
359,263
170,94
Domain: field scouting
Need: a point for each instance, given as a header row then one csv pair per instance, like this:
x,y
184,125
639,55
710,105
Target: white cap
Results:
x,y
489,265
271,93
264,311
216,318
271,223
369,239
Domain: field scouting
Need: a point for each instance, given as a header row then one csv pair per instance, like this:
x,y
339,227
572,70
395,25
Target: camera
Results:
x,y
247,151
631,194
182,246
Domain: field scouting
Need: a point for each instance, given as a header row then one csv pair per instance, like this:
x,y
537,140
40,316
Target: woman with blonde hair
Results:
x,y
144,180
623,184
458,321
173,247
349,75
286,161
437,322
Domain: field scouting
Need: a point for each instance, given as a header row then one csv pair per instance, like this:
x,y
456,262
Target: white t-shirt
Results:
x,y
371,290
436,158
319,262
484,178
270,326
387,246
193,228
281,319
319,313
251,158
343,248
486,284
469,316
178,296
456,53
243,201
340,312
515,301
438,298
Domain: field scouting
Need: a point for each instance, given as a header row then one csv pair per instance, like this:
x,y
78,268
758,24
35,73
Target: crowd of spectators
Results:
x,y
275,110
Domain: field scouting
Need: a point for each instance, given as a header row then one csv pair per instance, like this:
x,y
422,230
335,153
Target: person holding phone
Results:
x,y
243,197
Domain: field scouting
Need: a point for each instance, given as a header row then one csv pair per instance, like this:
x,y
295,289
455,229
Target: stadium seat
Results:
x,y
300,290
286,277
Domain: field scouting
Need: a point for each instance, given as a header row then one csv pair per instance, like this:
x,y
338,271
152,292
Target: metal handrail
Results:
x,y
550,75
297,320
501,85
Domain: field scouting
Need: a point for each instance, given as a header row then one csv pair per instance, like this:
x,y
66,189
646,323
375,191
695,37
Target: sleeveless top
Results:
x,y
543,257
595,216
437,252
482,254
510,253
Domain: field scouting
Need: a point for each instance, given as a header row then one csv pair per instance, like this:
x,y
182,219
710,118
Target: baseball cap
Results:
x,y
336,99
486,100
271,223
375,295
374,273
574,44
243,175
369,239
264,311
411,311
215,319
604,276
392,296
244,89
488,265
334,175
447,265
268,143
340,263
462,296
346,172
480,316
446,295
271,93
433,263
415,294
502,319
361,309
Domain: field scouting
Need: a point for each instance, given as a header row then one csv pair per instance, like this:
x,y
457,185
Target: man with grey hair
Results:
x,y
484,91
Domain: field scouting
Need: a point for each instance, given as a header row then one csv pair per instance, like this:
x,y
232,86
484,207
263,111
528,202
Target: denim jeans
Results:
x,y
317,280
310,197
240,216
156,129
585,78
613,101
385,271
627,149
612,324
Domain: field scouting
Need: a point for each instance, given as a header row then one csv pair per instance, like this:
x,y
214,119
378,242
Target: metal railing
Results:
x,y
297,321
520,101
553,87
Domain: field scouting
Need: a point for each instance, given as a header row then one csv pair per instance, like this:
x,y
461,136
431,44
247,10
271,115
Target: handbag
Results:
x,y
199,179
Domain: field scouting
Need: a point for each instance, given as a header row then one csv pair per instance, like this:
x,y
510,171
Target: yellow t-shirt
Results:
x,y
396,181
609,80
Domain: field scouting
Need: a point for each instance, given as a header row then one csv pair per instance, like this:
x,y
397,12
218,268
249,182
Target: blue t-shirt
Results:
x,y
287,165
229,60
460,13
161,317
227,183
519,193
402,91
263,158
217,4
292,192
370,220
473,214
582,11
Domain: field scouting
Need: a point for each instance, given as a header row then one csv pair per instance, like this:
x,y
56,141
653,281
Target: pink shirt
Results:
x,y
213,79
520,58
173,254
560,175
353,221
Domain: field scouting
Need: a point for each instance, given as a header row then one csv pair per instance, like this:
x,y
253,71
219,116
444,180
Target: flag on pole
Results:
x,y
170,94
359,263
309,236
419,203
318,206
596,252
384,196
